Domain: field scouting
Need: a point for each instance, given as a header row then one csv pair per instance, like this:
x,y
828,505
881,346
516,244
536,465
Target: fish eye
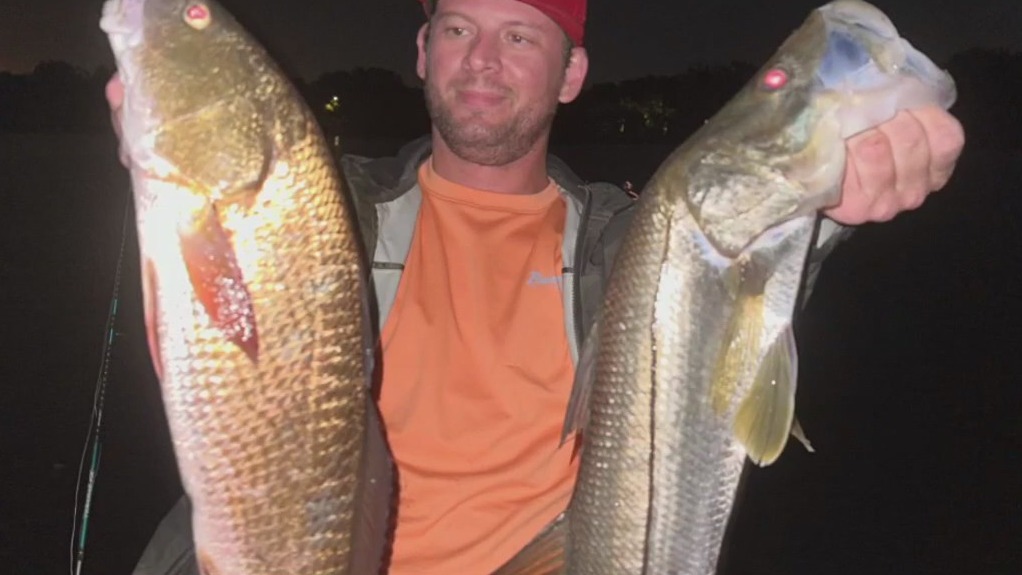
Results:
x,y
197,16
774,79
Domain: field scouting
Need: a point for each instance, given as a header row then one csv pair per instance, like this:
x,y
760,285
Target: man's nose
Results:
x,y
484,53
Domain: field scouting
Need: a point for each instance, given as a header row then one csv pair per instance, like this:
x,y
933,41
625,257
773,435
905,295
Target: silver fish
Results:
x,y
692,366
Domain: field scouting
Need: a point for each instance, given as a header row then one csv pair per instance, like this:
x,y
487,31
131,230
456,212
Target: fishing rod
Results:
x,y
78,535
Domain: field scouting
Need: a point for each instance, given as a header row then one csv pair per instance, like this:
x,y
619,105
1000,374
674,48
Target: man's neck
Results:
x,y
526,175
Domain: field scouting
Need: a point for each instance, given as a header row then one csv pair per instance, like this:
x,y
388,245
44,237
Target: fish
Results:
x,y
254,296
544,555
691,368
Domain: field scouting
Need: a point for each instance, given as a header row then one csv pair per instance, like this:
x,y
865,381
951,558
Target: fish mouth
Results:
x,y
860,15
122,21
865,74
872,71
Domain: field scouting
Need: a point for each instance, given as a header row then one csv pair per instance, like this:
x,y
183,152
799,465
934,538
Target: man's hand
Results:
x,y
115,98
893,167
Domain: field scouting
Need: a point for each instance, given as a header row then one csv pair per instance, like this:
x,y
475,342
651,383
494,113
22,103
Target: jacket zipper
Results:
x,y
576,288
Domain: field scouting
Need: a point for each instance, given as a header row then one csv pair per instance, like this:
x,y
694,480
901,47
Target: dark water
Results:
x,y
911,380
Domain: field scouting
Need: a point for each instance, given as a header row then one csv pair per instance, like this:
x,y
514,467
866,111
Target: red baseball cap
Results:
x,y
570,15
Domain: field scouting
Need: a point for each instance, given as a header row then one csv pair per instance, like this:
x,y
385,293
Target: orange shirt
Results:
x,y
476,378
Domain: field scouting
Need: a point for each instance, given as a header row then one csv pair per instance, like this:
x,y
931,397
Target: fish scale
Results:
x,y
691,367
618,439
254,293
279,424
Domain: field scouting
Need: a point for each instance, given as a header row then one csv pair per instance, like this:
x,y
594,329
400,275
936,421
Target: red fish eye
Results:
x,y
775,79
197,16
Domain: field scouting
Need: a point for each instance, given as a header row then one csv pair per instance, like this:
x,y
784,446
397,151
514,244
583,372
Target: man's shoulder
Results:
x,y
606,200
381,179
611,199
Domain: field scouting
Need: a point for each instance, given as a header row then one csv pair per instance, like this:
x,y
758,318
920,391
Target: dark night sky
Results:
x,y
663,37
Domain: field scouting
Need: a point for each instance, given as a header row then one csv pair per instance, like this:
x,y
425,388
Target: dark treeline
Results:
x,y
55,97
366,104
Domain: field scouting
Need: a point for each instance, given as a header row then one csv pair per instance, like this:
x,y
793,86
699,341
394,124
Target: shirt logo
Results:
x,y
538,279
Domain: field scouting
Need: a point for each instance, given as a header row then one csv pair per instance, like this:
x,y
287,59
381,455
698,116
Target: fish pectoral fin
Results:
x,y
150,309
217,280
544,555
744,281
577,416
764,417
741,338
798,433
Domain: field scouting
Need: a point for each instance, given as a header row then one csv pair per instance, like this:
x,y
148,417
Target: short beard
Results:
x,y
489,145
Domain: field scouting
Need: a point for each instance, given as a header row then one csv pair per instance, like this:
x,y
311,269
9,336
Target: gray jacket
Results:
x,y
387,199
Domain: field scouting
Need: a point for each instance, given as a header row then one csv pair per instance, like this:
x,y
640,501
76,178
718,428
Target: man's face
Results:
x,y
494,72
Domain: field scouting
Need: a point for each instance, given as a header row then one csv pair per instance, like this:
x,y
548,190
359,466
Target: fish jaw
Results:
x,y
872,71
141,124
891,54
123,22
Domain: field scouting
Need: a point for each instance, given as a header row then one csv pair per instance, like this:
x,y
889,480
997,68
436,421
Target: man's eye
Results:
x,y
518,39
456,31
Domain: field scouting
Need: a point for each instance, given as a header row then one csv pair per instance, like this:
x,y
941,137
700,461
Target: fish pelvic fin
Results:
x,y
798,433
150,305
217,280
544,555
765,416
206,564
577,415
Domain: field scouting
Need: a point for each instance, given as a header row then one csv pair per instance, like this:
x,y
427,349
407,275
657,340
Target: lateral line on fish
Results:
x,y
653,354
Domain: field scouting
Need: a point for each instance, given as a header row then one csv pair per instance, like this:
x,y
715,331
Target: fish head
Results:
x,y
869,73
206,121
199,101
777,151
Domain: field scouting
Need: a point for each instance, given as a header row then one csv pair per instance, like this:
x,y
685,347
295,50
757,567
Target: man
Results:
x,y
489,260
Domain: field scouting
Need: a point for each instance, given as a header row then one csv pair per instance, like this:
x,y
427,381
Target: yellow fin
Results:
x,y
798,433
741,343
544,555
764,418
744,281
577,415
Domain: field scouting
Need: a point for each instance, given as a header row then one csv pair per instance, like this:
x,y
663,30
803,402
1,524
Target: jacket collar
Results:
x,y
384,179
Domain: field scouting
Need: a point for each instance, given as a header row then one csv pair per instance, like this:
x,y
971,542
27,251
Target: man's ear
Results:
x,y
421,39
574,74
